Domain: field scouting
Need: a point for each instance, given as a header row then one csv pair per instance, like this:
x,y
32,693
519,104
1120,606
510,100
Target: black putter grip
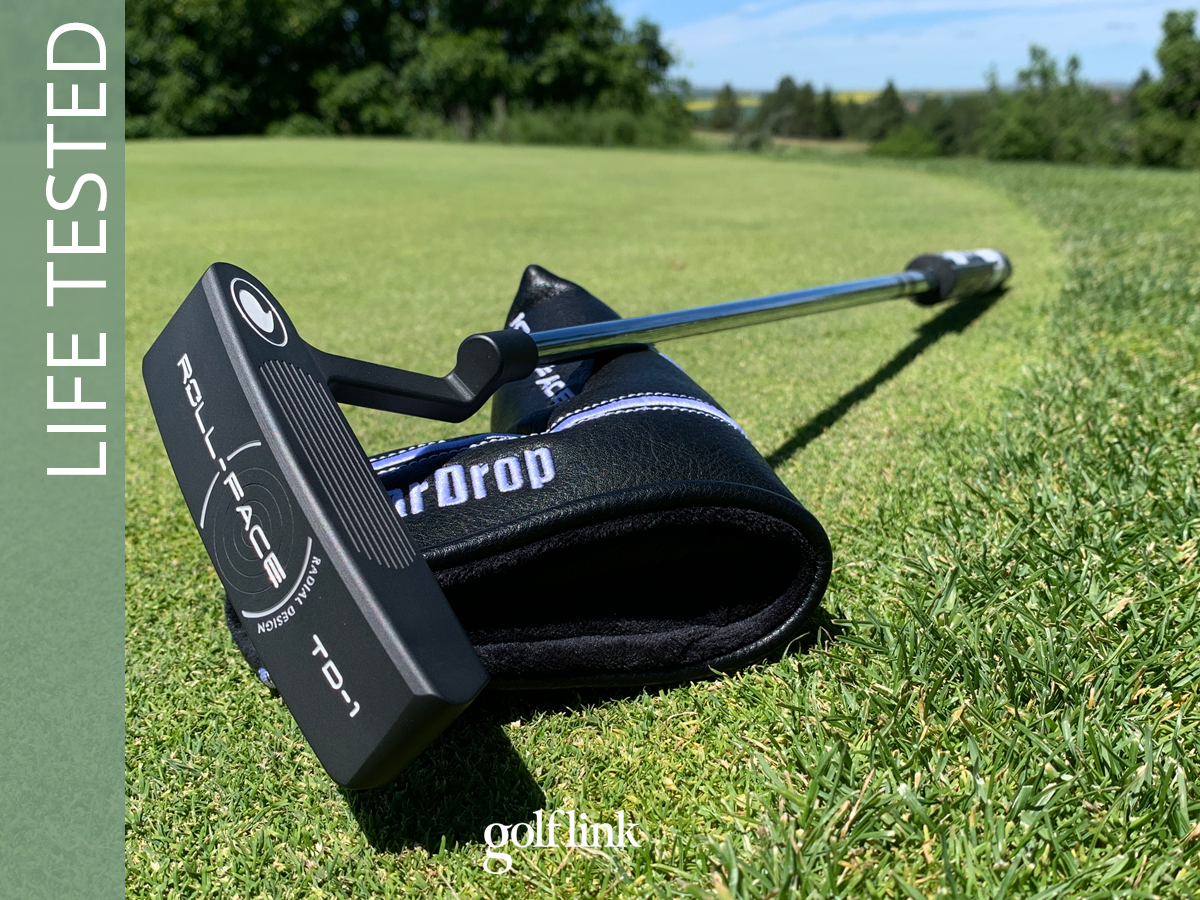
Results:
x,y
953,275
341,607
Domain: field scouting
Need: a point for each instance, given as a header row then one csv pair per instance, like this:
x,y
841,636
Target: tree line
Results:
x,y
1051,114
534,70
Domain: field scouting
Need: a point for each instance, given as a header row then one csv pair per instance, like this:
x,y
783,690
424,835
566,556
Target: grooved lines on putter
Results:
x,y
356,496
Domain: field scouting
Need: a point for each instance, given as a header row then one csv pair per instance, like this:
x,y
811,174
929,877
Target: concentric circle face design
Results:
x,y
248,530
258,312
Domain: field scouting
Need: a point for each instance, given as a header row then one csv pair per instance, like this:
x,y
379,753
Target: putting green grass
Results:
x,y
1004,704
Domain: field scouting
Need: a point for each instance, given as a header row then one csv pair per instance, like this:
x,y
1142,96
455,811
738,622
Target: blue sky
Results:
x,y
856,44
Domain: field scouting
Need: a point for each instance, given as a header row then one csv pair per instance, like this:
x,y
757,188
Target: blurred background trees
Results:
x,y
1167,111
570,71
793,110
726,113
1053,117
395,67
1051,113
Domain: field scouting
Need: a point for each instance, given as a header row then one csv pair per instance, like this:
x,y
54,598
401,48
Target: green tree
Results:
x,y
773,106
726,113
908,141
238,66
887,113
790,110
1135,99
1178,90
1049,117
802,121
953,122
1168,109
852,116
829,123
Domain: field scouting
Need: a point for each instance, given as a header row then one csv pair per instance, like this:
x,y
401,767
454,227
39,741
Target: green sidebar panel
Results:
x,y
62,405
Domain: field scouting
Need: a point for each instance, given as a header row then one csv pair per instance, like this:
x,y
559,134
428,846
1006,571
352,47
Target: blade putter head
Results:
x,y
341,606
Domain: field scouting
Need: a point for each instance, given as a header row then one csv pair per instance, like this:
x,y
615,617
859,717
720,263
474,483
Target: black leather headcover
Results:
x,y
616,528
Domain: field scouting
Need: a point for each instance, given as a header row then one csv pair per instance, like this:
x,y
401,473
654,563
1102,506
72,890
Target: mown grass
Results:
x,y
1005,705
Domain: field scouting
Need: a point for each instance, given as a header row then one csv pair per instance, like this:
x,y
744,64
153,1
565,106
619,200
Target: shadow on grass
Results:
x,y
472,776
954,319
468,778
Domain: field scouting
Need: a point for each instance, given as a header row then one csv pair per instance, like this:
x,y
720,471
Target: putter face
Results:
x,y
342,608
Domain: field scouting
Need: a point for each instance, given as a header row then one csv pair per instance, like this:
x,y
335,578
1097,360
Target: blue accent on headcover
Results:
x,y
630,403
395,458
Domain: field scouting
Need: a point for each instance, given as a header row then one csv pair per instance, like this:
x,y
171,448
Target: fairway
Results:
x,y
882,420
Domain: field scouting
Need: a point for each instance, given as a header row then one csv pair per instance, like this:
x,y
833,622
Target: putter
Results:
x,y
341,606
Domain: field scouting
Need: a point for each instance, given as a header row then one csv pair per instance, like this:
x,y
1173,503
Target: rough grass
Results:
x,y
1010,710
1003,704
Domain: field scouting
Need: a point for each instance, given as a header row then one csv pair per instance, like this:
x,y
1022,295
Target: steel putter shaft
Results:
x,y
339,603
928,279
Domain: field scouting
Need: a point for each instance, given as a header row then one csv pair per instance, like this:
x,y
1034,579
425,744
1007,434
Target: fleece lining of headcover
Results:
x,y
616,528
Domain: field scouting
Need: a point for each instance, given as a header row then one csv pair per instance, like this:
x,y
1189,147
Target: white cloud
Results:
x,y
944,43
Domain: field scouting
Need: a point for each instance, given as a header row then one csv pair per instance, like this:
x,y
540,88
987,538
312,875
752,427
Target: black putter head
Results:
x,y
340,605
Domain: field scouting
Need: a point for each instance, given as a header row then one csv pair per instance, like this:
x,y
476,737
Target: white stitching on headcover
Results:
x,y
411,454
389,462
614,400
447,453
392,453
621,412
655,402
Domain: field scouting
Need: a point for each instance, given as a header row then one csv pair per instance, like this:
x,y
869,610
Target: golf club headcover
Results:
x,y
617,527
